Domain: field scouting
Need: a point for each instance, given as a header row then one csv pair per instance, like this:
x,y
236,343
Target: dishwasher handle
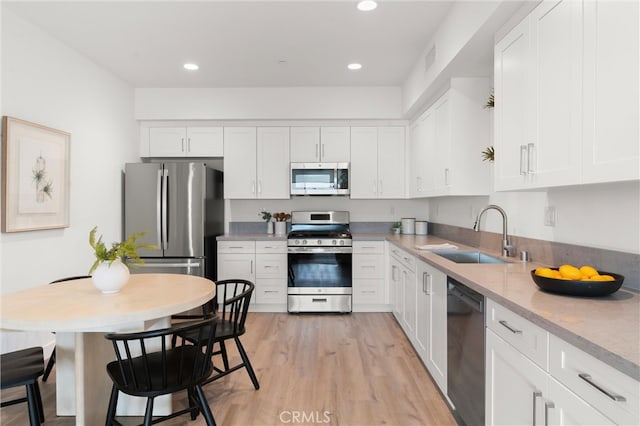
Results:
x,y
475,303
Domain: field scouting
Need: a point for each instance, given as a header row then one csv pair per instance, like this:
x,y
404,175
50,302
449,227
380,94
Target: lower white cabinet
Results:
x,y
575,388
369,288
264,263
405,301
431,321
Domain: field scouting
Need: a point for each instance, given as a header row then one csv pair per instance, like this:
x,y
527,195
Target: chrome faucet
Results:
x,y
507,248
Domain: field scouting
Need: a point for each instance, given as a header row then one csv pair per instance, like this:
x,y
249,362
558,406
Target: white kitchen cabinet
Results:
x,y
395,288
185,142
538,75
320,144
431,321
369,289
236,260
271,275
532,371
451,135
567,96
264,263
611,151
256,162
515,387
612,393
377,162
406,291
422,136
272,168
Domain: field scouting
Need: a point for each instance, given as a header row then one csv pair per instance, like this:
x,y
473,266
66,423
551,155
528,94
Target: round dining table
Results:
x,y
80,315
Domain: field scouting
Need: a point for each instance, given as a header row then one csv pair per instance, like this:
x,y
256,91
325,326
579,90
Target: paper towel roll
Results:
x,y
421,227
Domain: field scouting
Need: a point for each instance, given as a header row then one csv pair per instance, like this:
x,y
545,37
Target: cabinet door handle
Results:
x,y
536,395
530,157
271,291
547,405
393,272
259,186
251,267
321,300
253,186
523,154
587,378
446,176
182,144
188,144
508,327
426,282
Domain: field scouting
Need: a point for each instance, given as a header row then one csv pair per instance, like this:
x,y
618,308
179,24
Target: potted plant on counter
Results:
x,y
266,216
109,272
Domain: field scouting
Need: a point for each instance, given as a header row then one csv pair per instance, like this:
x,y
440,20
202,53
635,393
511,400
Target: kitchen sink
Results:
x,y
469,256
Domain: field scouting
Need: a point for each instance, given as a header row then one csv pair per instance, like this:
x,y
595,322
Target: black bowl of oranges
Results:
x,y
571,280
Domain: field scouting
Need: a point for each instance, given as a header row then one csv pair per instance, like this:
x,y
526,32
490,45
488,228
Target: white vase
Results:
x,y
281,228
110,277
269,227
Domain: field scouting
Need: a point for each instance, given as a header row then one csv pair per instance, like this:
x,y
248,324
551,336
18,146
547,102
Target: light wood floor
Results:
x,y
356,369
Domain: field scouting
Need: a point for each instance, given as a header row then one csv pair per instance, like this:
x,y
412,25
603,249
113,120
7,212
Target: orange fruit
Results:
x,y
588,271
545,272
570,272
602,278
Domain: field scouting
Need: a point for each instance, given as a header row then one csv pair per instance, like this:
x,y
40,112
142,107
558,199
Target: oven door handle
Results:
x,y
340,250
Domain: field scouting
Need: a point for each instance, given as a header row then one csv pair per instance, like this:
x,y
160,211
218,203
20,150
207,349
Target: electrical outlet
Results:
x,y
550,216
392,210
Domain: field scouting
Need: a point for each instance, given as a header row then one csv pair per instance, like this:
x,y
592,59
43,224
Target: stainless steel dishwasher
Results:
x,y
465,352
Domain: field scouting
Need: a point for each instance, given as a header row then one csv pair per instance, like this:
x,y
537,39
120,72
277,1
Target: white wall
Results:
x,y
603,216
268,103
45,82
360,210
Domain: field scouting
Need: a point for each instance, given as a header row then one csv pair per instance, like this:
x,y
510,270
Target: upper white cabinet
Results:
x,y
185,142
537,90
422,136
256,162
377,162
566,96
447,141
320,144
611,151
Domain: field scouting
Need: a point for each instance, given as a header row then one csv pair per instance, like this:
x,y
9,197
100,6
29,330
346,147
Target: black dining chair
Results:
x,y
52,358
163,371
231,306
22,368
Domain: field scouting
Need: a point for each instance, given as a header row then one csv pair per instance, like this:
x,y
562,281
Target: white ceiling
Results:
x,y
242,43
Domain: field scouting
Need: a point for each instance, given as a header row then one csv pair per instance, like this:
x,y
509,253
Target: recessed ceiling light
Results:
x,y
354,66
367,5
191,67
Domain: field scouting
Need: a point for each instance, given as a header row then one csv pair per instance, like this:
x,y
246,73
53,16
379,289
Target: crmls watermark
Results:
x,y
307,417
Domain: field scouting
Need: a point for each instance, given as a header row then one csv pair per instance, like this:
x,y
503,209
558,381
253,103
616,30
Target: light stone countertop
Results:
x,y
604,327
252,237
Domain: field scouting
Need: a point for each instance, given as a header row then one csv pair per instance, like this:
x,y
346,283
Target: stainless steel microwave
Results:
x,y
319,178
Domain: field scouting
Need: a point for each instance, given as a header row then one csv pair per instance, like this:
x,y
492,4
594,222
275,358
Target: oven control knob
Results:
x,y
334,242
341,243
319,242
297,242
304,242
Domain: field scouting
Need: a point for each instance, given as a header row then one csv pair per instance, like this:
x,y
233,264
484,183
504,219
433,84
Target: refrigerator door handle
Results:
x,y
159,209
165,209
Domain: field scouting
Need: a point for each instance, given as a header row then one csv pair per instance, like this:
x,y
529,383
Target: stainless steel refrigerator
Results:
x,y
181,207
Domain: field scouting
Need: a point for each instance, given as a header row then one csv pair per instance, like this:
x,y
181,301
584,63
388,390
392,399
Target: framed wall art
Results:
x,y
35,176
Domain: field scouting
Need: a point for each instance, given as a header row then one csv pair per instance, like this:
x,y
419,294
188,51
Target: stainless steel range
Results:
x,y
320,256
